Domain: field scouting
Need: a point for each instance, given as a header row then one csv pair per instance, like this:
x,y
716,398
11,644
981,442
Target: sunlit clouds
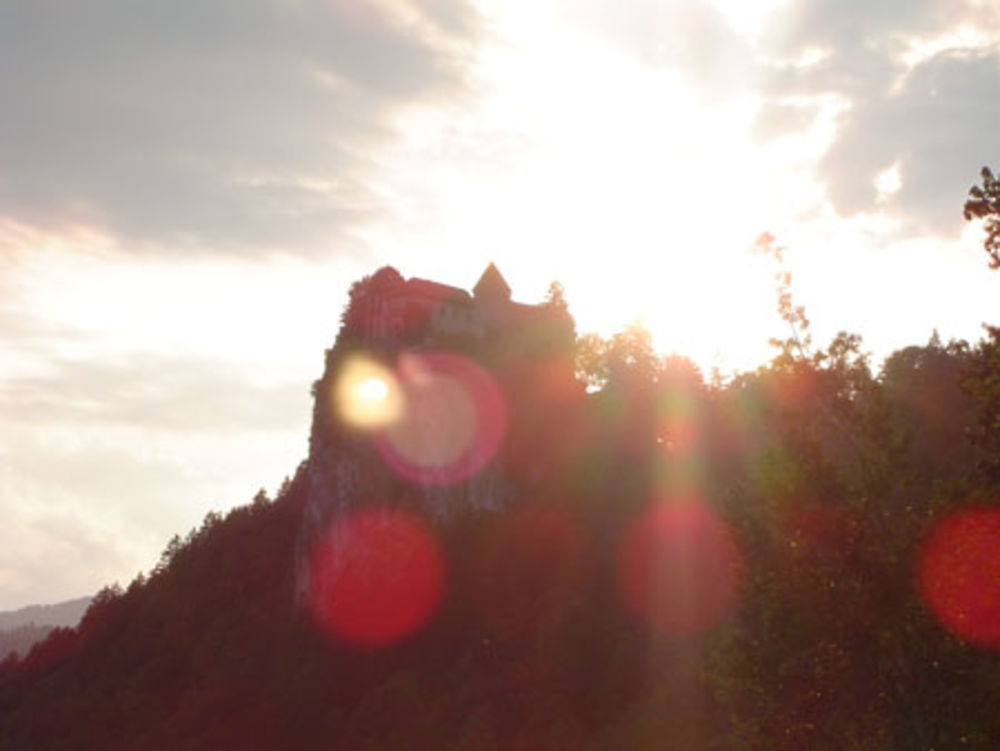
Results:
x,y
186,195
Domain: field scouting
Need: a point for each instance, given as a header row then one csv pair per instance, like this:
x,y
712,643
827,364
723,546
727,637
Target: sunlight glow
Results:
x,y
367,395
888,181
373,391
632,229
920,49
680,569
748,18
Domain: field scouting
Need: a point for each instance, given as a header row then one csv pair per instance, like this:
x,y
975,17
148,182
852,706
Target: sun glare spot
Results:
x,y
367,395
373,390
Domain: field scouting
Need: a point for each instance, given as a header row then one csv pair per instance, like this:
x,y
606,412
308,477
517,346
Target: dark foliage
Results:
x,y
984,203
827,476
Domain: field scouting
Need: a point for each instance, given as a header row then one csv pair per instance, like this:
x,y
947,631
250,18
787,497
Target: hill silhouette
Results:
x,y
66,613
22,628
506,536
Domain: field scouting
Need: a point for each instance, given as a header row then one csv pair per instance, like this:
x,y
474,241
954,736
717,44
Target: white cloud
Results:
x,y
231,125
939,130
918,92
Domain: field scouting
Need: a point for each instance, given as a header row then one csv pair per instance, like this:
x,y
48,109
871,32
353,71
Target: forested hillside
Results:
x,y
800,557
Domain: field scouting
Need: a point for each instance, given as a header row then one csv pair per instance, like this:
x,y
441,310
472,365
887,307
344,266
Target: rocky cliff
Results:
x,y
413,410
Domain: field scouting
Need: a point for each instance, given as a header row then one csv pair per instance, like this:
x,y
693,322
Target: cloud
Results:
x,y
84,508
846,26
689,36
938,132
56,557
227,124
931,116
153,393
93,483
96,475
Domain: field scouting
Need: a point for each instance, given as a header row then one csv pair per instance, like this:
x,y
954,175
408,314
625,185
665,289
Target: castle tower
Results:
x,y
491,286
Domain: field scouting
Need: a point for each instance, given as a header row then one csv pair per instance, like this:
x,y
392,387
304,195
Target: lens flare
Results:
x,y
680,570
439,424
452,420
376,578
678,422
373,390
367,395
958,575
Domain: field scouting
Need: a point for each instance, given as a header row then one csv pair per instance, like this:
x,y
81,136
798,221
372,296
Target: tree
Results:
x,y
930,413
555,297
982,383
984,203
591,360
631,355
361,294
627,357
558,332
799,341
983,378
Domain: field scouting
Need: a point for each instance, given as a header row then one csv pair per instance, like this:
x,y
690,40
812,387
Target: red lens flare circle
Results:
x,y
958,575
680,569
376,578
452,421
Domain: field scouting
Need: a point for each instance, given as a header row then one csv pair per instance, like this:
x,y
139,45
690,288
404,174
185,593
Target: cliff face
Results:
x,y
417,401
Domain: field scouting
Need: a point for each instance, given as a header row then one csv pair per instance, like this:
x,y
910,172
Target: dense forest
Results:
x,y
800,557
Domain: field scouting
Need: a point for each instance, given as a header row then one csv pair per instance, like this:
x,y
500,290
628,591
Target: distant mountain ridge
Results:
x,y
21,629
66,613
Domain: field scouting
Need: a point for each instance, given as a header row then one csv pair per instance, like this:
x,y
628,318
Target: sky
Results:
x,y
188,189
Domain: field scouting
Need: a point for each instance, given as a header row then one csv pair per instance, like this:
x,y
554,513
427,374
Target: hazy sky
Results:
x,y
188,188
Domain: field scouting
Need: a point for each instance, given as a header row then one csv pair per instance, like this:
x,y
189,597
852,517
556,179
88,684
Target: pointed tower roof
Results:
x,y
492,284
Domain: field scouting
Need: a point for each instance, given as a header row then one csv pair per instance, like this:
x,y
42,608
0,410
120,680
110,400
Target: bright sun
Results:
x,y
373,391
367,395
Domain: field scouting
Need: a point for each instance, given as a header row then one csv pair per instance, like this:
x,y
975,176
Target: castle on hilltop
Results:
x,y
525,352
386,309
